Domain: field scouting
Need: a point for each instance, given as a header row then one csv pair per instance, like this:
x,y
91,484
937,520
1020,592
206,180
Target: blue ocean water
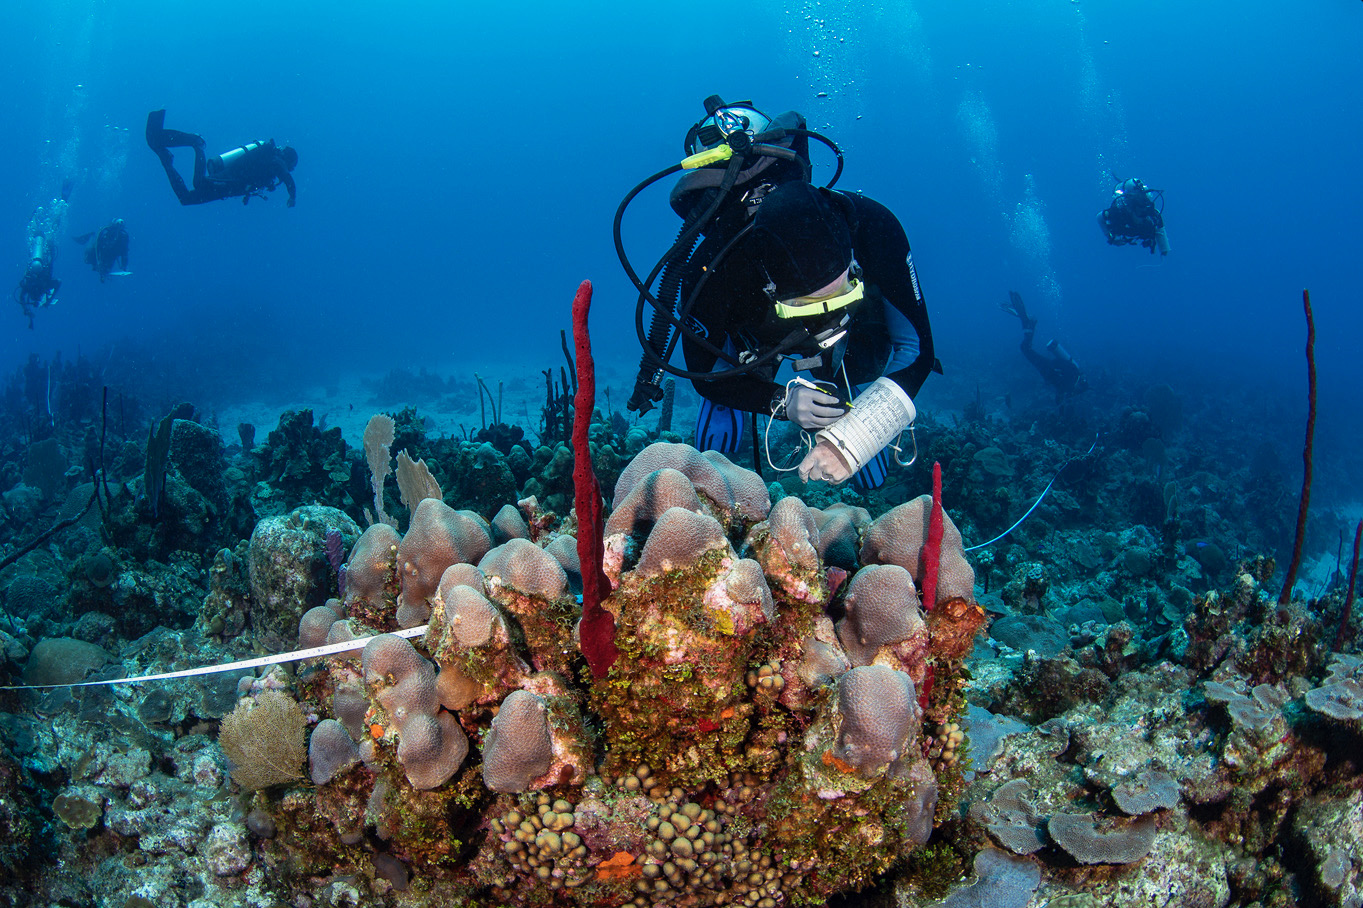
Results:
x,y
459,168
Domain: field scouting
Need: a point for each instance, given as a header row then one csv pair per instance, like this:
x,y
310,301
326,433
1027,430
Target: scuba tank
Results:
x,y
730,152
220,166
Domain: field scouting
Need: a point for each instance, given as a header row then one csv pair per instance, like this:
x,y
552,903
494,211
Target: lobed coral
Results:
x,y
742,749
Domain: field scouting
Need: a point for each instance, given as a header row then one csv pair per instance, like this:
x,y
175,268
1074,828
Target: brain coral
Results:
x,y
564,548
526,568
438,537
679,539
403,681
732,754
314,625
431,745
518,748
736,493
792,524
880,716
882,609
651,496
840,528
370,569
460,575
532,587
897,537
469,638
331,751
431,749
470,617
508,523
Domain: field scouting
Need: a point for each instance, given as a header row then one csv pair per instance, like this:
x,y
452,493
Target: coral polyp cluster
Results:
x,y
759,740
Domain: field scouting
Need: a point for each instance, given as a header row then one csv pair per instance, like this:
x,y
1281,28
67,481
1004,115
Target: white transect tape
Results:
x,y
330,649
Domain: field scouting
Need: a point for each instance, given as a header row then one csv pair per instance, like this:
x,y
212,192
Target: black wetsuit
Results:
x,y
1131,218
259,169
109,247
38,288
733,310
1060,372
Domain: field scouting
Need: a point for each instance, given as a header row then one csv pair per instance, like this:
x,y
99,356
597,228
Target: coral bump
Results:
x,y
596,632
932,549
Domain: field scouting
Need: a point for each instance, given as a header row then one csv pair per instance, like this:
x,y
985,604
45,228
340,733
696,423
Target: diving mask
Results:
x,y
723,122
805,306
845,290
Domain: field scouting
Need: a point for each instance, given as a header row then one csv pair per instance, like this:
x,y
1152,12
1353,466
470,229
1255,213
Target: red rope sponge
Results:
x,y
1306,455
1349,598
596,632
932,549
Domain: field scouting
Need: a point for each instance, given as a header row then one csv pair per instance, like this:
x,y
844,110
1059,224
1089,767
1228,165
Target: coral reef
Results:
x,y
733,752
787,721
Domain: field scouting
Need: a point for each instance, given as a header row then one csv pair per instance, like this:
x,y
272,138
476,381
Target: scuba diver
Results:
x,y
248,170
1057,367
786,271
1136,215
105,247
38,288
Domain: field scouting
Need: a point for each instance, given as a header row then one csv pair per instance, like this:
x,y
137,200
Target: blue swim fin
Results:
x,y
719,428
872,476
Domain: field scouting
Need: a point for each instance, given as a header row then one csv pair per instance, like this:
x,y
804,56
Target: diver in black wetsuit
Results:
x,y
248,170
1057,367
788,271
106,248
38,288
810,245
1135,216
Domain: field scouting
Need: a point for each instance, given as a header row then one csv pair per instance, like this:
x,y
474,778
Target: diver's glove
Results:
x,y
809,406
876,418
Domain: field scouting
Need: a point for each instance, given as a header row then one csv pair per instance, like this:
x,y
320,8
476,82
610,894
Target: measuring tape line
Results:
x,y
330,649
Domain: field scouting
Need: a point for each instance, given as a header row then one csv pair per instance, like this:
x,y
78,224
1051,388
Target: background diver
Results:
x,y
38,288
248,170
1057,367
107,247
788,271
1135,215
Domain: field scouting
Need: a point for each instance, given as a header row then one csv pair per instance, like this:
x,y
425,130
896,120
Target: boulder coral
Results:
x,y
758,740
438,537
